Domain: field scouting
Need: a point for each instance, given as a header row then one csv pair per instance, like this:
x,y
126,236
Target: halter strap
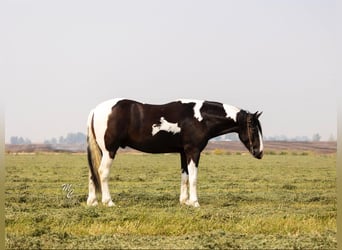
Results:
x,y
249,136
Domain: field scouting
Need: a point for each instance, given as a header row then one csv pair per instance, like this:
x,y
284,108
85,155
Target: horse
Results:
x,y
183,126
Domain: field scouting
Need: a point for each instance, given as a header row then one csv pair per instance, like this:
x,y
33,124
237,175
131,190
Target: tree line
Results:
x,y
315,137
18,140
81,138
71,138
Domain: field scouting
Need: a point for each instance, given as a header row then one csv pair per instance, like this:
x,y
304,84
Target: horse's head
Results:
x,y
250,132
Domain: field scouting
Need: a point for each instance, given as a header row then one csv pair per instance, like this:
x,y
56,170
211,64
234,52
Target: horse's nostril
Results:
x,y
260,155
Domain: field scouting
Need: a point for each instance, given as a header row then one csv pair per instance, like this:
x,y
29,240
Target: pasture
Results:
x,y
285,200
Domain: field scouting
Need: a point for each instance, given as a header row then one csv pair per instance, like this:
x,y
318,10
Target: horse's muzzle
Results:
x,y
259,155
256,153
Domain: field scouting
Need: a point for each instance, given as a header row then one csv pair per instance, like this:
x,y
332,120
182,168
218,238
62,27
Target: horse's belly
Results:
x,y
163,143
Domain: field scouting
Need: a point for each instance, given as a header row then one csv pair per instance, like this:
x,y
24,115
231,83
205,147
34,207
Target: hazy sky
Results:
x,y
61,58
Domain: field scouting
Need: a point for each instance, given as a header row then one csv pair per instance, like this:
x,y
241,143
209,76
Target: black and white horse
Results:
x,y
182,126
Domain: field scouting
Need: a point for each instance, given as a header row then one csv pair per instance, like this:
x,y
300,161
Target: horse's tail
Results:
x,y
94,153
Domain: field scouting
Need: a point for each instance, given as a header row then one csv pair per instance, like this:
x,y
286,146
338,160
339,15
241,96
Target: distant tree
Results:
x,y
316,137
71,138
19,140
61,140
332,138
300,138
27,141
75,138
14,140
285,138
51,141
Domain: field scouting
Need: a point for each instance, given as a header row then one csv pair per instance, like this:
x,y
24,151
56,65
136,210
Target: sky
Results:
x,y
59,59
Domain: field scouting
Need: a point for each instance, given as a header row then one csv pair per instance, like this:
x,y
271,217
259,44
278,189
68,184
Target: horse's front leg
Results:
x,y
104,169
193,169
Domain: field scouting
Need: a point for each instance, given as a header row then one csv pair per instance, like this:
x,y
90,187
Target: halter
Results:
x,y
249,136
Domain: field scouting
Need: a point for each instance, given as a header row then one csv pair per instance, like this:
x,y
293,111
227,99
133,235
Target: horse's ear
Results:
x,y
258,114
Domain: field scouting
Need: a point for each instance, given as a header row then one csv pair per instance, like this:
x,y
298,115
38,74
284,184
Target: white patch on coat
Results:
x,y
165,126
101,114
197,107
231,111
90,118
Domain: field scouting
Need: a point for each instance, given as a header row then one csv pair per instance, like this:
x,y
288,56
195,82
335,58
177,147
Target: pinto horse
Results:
x,y
183,126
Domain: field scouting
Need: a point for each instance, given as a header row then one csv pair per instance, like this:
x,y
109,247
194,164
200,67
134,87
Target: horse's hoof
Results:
x,y
196,204
191,203
183,201
92,203
109,203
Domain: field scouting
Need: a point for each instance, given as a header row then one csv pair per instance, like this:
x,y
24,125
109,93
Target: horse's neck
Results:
x,y
219,125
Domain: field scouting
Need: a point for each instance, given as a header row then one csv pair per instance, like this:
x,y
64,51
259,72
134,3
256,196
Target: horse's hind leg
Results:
x,y
104,169
92,200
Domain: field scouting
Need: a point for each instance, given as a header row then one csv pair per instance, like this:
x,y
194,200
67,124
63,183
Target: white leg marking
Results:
x,y
92,200
165,126
104,176
193,201
184,197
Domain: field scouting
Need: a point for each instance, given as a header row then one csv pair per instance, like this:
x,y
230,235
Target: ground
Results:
x,y
285,200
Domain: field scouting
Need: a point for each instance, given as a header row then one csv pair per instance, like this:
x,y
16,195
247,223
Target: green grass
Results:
x,y
282,201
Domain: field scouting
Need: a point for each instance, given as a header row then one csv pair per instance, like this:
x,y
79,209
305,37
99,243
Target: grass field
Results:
x,y
286,200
